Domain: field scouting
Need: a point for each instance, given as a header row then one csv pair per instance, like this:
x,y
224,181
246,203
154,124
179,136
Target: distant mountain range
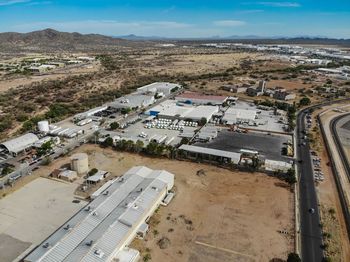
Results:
x,y
235,37
54,41
50,40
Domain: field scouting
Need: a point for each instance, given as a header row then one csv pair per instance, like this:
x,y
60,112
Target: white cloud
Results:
x,y
229,23
280,4
12,2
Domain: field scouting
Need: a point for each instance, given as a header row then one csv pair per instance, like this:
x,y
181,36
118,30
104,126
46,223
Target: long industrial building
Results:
x,y
103,229
199,99
18,144
172,110
159,87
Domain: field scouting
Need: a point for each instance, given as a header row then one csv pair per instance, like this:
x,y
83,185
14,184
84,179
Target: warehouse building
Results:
x,y
103,229
199,99
18,144
132,101
210,155
172,110
91,112
239,116
159,87
273,165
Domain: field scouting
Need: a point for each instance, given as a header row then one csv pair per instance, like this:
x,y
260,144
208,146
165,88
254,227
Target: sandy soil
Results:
x,y
333,223
54,75
289,85
213,217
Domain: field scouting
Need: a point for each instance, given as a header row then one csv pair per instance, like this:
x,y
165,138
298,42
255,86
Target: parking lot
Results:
x,y
268,146
266,120
140,130
316,161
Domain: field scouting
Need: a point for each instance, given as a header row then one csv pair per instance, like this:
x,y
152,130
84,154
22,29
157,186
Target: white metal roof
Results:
x,y
235,157
171,109
234,114
273,165
99,176
163,87
110,221
18,144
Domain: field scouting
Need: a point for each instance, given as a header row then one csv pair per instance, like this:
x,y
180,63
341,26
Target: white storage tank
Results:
x,y
43,126
80,163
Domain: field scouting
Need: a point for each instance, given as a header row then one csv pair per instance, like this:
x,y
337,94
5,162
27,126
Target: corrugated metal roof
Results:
x,y
235,157
192,95
111,219
18,144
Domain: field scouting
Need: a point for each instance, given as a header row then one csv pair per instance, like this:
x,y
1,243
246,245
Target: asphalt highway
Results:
x,y
311,233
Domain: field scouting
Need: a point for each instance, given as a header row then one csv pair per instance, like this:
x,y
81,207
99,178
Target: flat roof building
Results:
x,y
132,101
199,99
159,87
212,154
103,229
170,109
273,165
19,144
238,115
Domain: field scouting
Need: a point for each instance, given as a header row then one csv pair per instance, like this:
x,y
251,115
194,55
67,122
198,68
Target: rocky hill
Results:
x,y
50,40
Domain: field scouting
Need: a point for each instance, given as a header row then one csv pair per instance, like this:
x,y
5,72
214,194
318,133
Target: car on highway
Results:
x,y
311,210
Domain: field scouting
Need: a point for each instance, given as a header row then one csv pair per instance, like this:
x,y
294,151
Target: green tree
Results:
x,y
256,162
290,176
151,148
92,172
202,121
6,170
305,101
126,110
184,141
139,146
114,126
45,148
293,257
108,142
47,160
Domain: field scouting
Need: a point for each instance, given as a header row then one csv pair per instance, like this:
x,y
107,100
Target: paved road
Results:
x,y
311,234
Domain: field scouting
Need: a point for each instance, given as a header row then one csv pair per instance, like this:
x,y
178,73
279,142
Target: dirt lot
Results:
x,y
14,82
32,213
331,212
288,85
218,216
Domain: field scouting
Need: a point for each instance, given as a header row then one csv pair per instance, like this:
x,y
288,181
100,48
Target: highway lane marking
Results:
x,y
225,250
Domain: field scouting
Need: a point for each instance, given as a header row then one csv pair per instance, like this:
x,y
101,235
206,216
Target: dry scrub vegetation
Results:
x,y
203,69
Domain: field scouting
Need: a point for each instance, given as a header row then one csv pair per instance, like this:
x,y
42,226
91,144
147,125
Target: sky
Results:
x,y
180,18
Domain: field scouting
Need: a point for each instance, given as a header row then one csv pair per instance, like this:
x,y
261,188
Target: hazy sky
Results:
x,y
181,18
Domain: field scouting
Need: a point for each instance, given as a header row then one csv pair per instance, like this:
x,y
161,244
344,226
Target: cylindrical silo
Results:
x,y
43,126
80,163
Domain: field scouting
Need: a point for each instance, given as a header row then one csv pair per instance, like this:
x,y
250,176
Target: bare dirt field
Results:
x,y
218,216
331,212
6,84
288,85
32,213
